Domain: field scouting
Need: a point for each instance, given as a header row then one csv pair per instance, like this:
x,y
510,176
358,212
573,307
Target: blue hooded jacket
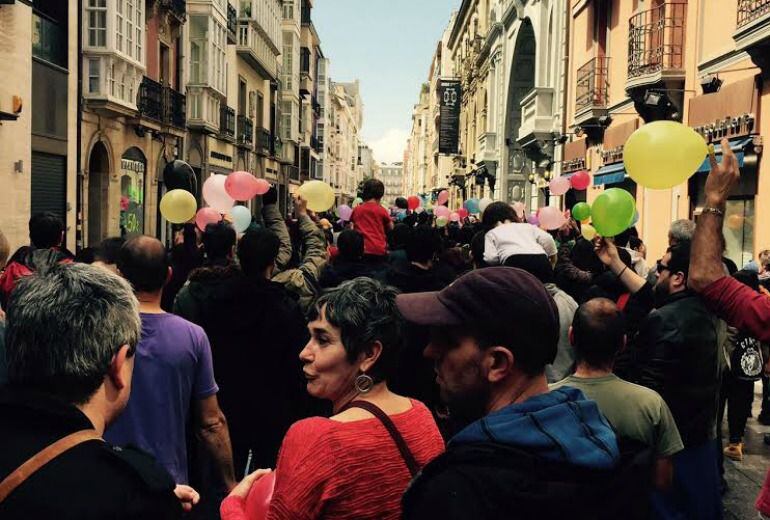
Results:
x,y
561,426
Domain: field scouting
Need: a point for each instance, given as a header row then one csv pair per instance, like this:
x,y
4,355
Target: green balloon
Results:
x,y
581,211
612,212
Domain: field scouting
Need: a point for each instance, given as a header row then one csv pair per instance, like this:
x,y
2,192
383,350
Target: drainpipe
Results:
x,y
565,84
79,195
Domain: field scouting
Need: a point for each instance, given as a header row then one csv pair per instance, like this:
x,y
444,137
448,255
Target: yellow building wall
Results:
x,y
762,201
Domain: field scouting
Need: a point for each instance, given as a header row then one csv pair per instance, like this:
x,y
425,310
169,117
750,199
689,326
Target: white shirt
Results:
x,y
516,239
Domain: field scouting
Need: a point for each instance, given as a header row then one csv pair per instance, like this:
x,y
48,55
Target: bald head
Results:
x,y
142,261
598,333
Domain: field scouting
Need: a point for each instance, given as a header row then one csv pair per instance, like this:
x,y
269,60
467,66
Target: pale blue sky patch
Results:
x,y
388,45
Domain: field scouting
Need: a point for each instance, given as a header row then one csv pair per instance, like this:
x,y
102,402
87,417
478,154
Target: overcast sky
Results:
x,y
388,46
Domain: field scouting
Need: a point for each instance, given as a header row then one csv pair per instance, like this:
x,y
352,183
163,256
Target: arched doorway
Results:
x,y
522,81
133,166
98,193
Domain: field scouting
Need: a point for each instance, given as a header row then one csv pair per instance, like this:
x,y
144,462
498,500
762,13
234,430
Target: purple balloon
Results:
x,y
532,219
344,212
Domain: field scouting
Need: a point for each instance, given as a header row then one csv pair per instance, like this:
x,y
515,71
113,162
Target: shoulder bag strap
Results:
x,y
43,457
386,421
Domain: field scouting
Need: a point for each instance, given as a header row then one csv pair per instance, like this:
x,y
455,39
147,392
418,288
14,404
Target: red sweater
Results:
x,y
353,470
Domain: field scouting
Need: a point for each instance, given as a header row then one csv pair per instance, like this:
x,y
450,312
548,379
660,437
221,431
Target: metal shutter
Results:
x,y
49,184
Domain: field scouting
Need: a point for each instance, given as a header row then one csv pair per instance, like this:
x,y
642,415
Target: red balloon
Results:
x,y
581,180
241,186
262,187
413,202
463,213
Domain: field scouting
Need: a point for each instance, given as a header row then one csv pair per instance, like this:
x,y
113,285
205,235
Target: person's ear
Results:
x,y
369,357
571,336
499,362
169,275
118,374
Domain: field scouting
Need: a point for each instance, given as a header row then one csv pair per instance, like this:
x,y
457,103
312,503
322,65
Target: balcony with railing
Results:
x,y
263,141
592,89
174,108
254,48
232,24
227,122
203,105
245,132
656,44
752,32
177,8
150,99
537,117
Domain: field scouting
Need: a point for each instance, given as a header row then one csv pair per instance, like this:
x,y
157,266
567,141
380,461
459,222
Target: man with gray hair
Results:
x,y
681,230
71,337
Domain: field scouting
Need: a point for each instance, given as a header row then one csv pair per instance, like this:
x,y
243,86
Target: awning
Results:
x,y
610,174
738,146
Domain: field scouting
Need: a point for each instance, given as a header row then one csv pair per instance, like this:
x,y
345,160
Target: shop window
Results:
x,y
132,184
738,231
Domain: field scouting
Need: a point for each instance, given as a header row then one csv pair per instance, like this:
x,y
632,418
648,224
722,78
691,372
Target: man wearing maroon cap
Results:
x,y
525,449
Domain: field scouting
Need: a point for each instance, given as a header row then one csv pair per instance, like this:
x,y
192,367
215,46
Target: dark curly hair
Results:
x,y
365,311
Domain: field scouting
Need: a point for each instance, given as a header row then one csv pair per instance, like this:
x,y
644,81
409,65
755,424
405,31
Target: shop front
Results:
x,y
574,160
731,113
612,173
133,167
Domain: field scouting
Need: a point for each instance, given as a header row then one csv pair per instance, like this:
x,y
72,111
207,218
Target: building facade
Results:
x,y
346,114
39,116
419,153
392,176
650,60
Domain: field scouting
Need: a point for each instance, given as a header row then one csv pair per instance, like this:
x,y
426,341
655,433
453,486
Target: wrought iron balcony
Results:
x,y
232,23
263,141
245,131
751,10
178,8
656,43
592,86
174,108
150,99
227,121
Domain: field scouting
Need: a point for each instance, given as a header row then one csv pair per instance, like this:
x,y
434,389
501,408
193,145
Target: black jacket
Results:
x,y
90,481
341,270
256,331
490,481
677,355
408,278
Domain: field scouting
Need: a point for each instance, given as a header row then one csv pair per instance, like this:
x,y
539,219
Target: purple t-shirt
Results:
x,y
172,368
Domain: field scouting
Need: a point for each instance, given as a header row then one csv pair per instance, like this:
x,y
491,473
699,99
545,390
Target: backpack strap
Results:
x,y
623,301
406,454
43,457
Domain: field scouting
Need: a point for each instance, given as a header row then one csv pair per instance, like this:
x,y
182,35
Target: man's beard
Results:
x,y
661,294
468,404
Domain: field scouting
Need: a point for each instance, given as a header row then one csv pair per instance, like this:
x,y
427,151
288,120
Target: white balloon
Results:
x,y
215,195
483,203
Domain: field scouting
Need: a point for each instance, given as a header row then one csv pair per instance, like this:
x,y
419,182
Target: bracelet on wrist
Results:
x,y
714,211
622,271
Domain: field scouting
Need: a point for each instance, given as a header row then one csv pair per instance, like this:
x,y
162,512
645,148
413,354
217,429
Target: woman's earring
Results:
x,y
364,383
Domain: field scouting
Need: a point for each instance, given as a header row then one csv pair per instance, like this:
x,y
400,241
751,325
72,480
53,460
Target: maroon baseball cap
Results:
x,y
496,297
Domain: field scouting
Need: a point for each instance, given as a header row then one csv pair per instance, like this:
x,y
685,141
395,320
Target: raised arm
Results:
x,y
273,221
608,254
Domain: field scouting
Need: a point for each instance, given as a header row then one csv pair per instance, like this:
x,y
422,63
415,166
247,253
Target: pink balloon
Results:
x,y
454,217
581,180
443,197
260,495
344,212
262,187
559,186
532,219
441,211
241,186
551,218
206,216
463,213
215,195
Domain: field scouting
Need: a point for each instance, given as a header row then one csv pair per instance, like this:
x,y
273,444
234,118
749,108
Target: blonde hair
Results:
x,y
764,257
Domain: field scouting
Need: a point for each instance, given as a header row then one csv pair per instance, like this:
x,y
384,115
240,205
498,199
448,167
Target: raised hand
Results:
x,y
722,177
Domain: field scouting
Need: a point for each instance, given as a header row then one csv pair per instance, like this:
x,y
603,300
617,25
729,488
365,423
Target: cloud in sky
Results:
x,y
389,147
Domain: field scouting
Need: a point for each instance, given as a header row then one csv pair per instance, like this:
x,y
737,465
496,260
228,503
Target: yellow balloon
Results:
x,y
588,231
318,194
178,206
663,154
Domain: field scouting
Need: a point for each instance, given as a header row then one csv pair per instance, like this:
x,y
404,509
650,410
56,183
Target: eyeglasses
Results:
x,y
662,267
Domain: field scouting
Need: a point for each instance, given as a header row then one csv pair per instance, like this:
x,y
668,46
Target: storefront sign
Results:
x,y
450,97
615,139
731,112
574,156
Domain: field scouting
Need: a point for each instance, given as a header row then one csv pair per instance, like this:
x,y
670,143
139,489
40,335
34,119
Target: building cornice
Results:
x,y
459,22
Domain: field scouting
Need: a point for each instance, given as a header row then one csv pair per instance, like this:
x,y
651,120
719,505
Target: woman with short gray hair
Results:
x,y
357,463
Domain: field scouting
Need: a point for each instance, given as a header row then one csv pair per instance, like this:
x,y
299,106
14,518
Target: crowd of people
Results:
x,y
379,368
